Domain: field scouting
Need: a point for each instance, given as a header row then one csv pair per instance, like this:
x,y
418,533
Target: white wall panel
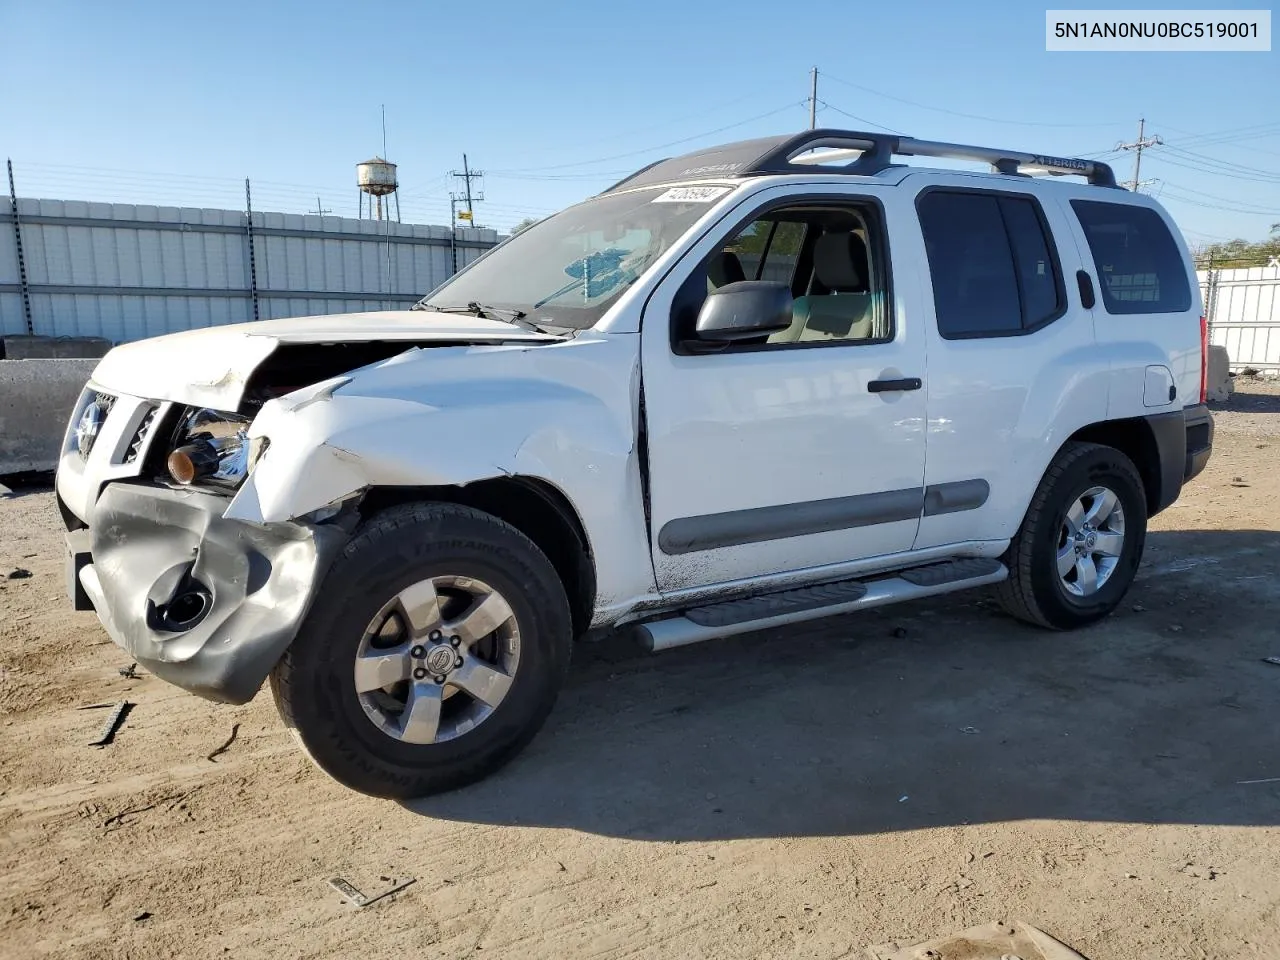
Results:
x,y
74,266
1243,307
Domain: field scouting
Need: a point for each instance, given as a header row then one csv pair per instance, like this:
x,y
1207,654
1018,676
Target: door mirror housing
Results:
x,y
746,310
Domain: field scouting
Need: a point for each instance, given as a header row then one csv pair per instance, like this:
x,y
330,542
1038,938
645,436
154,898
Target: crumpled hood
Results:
x,y
210,366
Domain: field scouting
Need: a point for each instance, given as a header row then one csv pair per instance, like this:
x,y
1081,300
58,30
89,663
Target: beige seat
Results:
x,y
845,308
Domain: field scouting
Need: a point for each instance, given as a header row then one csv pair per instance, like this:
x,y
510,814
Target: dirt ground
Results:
x,y
887,776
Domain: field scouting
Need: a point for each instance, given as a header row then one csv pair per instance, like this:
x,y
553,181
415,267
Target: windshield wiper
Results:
x,y
503,314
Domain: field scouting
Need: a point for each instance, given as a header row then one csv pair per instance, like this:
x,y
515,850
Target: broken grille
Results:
x,y
140,435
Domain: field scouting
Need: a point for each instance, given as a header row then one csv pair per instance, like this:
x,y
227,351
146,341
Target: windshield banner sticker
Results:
x,y
691,194
601,272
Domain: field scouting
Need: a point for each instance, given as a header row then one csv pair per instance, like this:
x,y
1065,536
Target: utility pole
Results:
x,y
1142,143
813,99
318,211
466,196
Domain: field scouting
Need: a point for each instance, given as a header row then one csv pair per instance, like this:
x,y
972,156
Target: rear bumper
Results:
x,y
206,603
1199,432
1184,442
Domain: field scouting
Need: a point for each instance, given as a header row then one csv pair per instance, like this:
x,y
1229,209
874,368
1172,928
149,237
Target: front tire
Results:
x,y
434,652
1079,546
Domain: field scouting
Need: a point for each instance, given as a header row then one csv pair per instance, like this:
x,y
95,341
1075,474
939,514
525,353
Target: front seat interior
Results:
x,y
839,305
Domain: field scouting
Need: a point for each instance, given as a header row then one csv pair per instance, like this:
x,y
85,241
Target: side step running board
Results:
x,y
823,600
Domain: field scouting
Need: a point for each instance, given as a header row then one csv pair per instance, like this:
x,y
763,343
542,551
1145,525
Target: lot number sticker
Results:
x,y
691,195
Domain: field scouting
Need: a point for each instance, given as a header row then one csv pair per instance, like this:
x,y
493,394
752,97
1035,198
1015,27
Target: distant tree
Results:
x,y
524,224
1243,253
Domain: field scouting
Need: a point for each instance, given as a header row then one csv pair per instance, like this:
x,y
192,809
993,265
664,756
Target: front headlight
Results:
x,y
90,423
211,446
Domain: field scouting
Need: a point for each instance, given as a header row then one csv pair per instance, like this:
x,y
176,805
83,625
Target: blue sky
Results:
x,y
177,103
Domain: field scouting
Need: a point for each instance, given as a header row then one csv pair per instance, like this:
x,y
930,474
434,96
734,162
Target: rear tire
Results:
x,y
485,612
1079,546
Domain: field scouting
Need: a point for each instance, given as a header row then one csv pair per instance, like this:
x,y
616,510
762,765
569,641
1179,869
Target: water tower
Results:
x,y
376,179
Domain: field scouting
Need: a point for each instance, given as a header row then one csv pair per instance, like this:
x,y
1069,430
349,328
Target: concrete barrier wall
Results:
x,y
36,400
1218,386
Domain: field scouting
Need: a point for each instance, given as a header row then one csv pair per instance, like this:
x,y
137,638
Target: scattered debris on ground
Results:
x,y
213,757
358,899
114,721
992,941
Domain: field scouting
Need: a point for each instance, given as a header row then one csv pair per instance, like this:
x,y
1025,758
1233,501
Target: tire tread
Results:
x,y
285,677
1015,593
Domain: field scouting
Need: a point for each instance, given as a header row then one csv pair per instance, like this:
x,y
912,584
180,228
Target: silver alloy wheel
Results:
x,y
1091,541
437,659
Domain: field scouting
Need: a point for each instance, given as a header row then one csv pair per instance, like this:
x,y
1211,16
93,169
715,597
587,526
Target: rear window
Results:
x,y
1138,263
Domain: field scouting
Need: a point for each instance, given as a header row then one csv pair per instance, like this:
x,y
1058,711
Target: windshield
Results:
x,y
570,268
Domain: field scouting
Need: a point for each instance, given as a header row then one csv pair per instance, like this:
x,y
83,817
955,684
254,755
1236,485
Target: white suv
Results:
x,y
768,382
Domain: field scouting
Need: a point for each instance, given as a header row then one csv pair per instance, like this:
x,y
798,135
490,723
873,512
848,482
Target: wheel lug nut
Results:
x,y
458,662
435,636
456,641
439,679
418,652
419,674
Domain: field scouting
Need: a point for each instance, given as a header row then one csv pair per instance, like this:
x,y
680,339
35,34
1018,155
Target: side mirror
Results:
x,y
746,310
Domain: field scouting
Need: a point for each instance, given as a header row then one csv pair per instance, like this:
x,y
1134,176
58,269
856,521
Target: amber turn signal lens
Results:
x,y
181,467
192,461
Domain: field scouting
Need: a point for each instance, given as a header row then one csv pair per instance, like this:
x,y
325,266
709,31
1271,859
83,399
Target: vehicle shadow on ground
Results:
x,y
1244,400
842,727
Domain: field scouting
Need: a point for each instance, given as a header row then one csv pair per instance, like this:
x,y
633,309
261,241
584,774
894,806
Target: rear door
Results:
x,y
1013,367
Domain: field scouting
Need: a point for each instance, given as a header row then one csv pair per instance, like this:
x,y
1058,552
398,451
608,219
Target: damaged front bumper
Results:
x,y
204,602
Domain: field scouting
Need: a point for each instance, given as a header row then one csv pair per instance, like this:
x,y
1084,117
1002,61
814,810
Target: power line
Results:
x,y
600,175
1175,198
1252,131
1223,164
1254,211
1201,193
852,116
1180,160
655,147
957,113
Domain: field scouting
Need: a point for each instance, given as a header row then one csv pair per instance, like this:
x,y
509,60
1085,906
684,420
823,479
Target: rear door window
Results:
x,y
991,263
1140,269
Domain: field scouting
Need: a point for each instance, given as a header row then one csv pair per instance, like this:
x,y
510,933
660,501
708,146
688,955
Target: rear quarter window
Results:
x,y
1139,266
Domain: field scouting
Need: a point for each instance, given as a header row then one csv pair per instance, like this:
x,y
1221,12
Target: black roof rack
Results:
x,y
850,152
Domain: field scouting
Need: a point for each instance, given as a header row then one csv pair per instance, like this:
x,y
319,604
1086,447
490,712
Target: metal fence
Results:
x,y
124,272
1242,306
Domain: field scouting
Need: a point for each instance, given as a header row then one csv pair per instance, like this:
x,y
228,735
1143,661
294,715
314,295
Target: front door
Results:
x,y
803,451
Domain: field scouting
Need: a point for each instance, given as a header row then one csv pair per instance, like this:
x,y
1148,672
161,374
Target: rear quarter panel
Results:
x,y
1133,343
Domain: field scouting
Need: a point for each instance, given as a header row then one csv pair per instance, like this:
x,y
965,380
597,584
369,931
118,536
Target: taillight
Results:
x,y
1204,359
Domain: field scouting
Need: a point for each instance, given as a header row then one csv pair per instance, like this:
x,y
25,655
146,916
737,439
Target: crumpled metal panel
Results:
x,y
147,541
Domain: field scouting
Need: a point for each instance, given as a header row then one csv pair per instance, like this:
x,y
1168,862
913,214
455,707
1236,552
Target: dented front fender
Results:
x,y
565,414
